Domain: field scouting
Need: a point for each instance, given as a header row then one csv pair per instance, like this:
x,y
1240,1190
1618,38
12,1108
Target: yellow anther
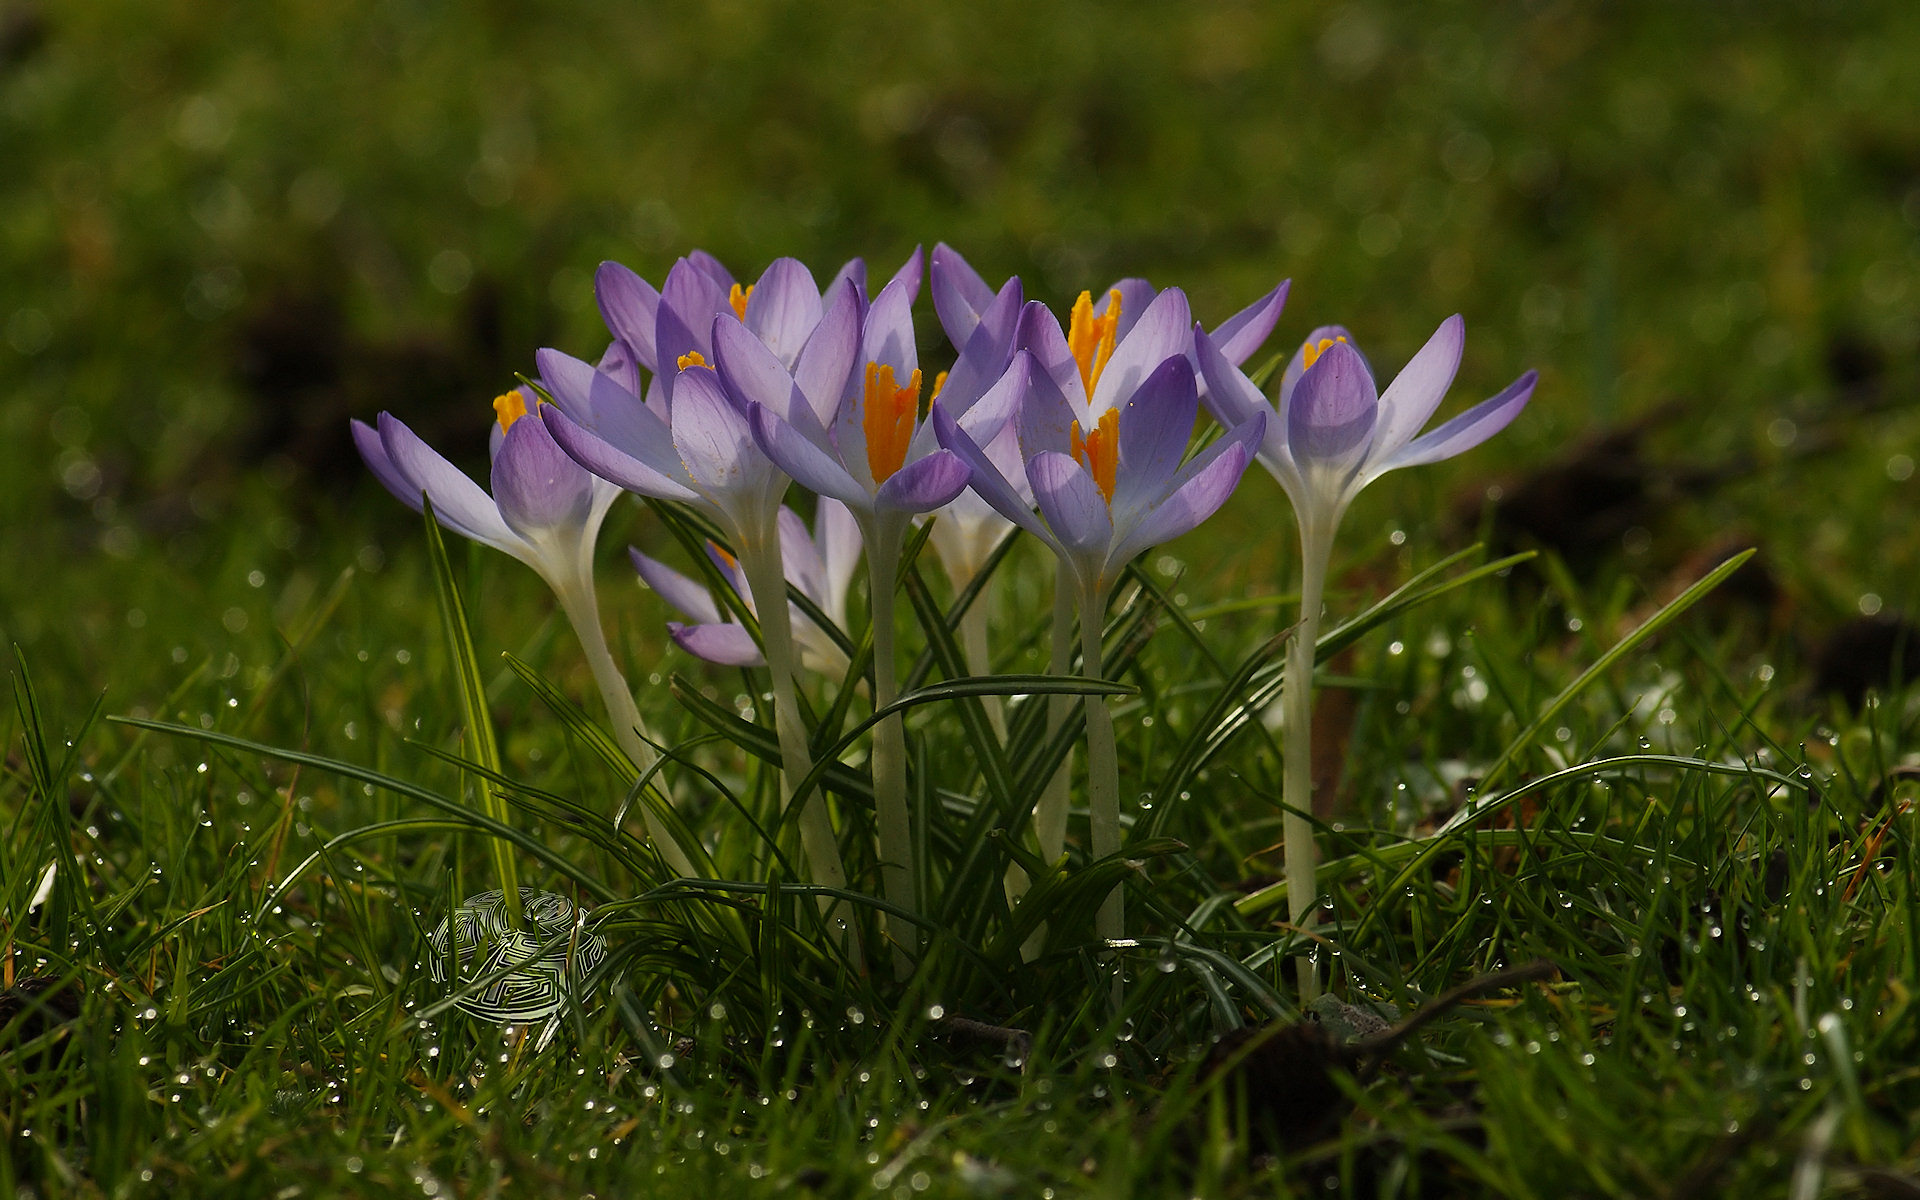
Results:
x,y
1090,339
939,381
1310,352
1099,451
692,358
509,407
887,417
738,296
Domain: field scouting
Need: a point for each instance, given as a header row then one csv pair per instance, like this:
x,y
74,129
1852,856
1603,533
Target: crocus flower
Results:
x,y
696,447
1104,433
544,510
820,565
1333,434
873,454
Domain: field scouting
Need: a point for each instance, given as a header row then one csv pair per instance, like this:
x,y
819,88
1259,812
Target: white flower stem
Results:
x,y
766,579
890,753
973,643
1296,710
1050,814
582,607
1050,818
1103,766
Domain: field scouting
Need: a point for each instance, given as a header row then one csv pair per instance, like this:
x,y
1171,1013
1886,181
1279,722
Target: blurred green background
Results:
x,y
227,227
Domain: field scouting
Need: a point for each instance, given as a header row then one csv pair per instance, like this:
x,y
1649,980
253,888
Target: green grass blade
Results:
x,y
471,686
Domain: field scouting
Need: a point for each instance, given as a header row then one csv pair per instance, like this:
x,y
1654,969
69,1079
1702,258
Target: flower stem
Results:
x,y
1050,814
582,606
973,643
890,752
1296,710
1103,765
766,579
1050,818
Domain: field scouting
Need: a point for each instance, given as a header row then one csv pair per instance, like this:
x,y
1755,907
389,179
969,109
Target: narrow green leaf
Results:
x,y
471,687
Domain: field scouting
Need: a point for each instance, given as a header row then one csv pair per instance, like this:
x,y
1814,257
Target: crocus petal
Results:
x,y
854,272
1230,395
630,306
806,462
784,308
596,401
1330,416
1233,400
1242,333
712,268
1136,295
1298,363
1039,334
984,418
1155,425
800,556
838,533
684,321
1204,487
959,294
1163,331
684,594
367,440
727,643
1467,430
1071,502
910,274
924,484
886,336
1045,420
711,433
458,502
1414,393
826,362
987,480
649,477
753,375
620,365
984,355
536,487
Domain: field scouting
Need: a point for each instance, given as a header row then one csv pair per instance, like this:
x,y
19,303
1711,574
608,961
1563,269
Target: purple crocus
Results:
x,y
1103,434
544,510
695,446
821,565
1334,433
872,453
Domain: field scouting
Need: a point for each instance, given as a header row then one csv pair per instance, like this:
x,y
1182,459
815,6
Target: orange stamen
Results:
x,y
726,557
509,407
1310,353
737,297
692,358
939,381
887,417
1099,451
1090,339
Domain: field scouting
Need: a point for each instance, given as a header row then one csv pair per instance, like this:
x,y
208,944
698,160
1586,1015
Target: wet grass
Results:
x,y
225,237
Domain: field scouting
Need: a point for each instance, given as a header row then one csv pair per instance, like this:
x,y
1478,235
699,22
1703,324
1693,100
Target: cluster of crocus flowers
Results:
x,y
721,397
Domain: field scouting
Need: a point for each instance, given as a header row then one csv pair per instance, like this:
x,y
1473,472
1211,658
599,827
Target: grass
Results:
x,y
226,991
